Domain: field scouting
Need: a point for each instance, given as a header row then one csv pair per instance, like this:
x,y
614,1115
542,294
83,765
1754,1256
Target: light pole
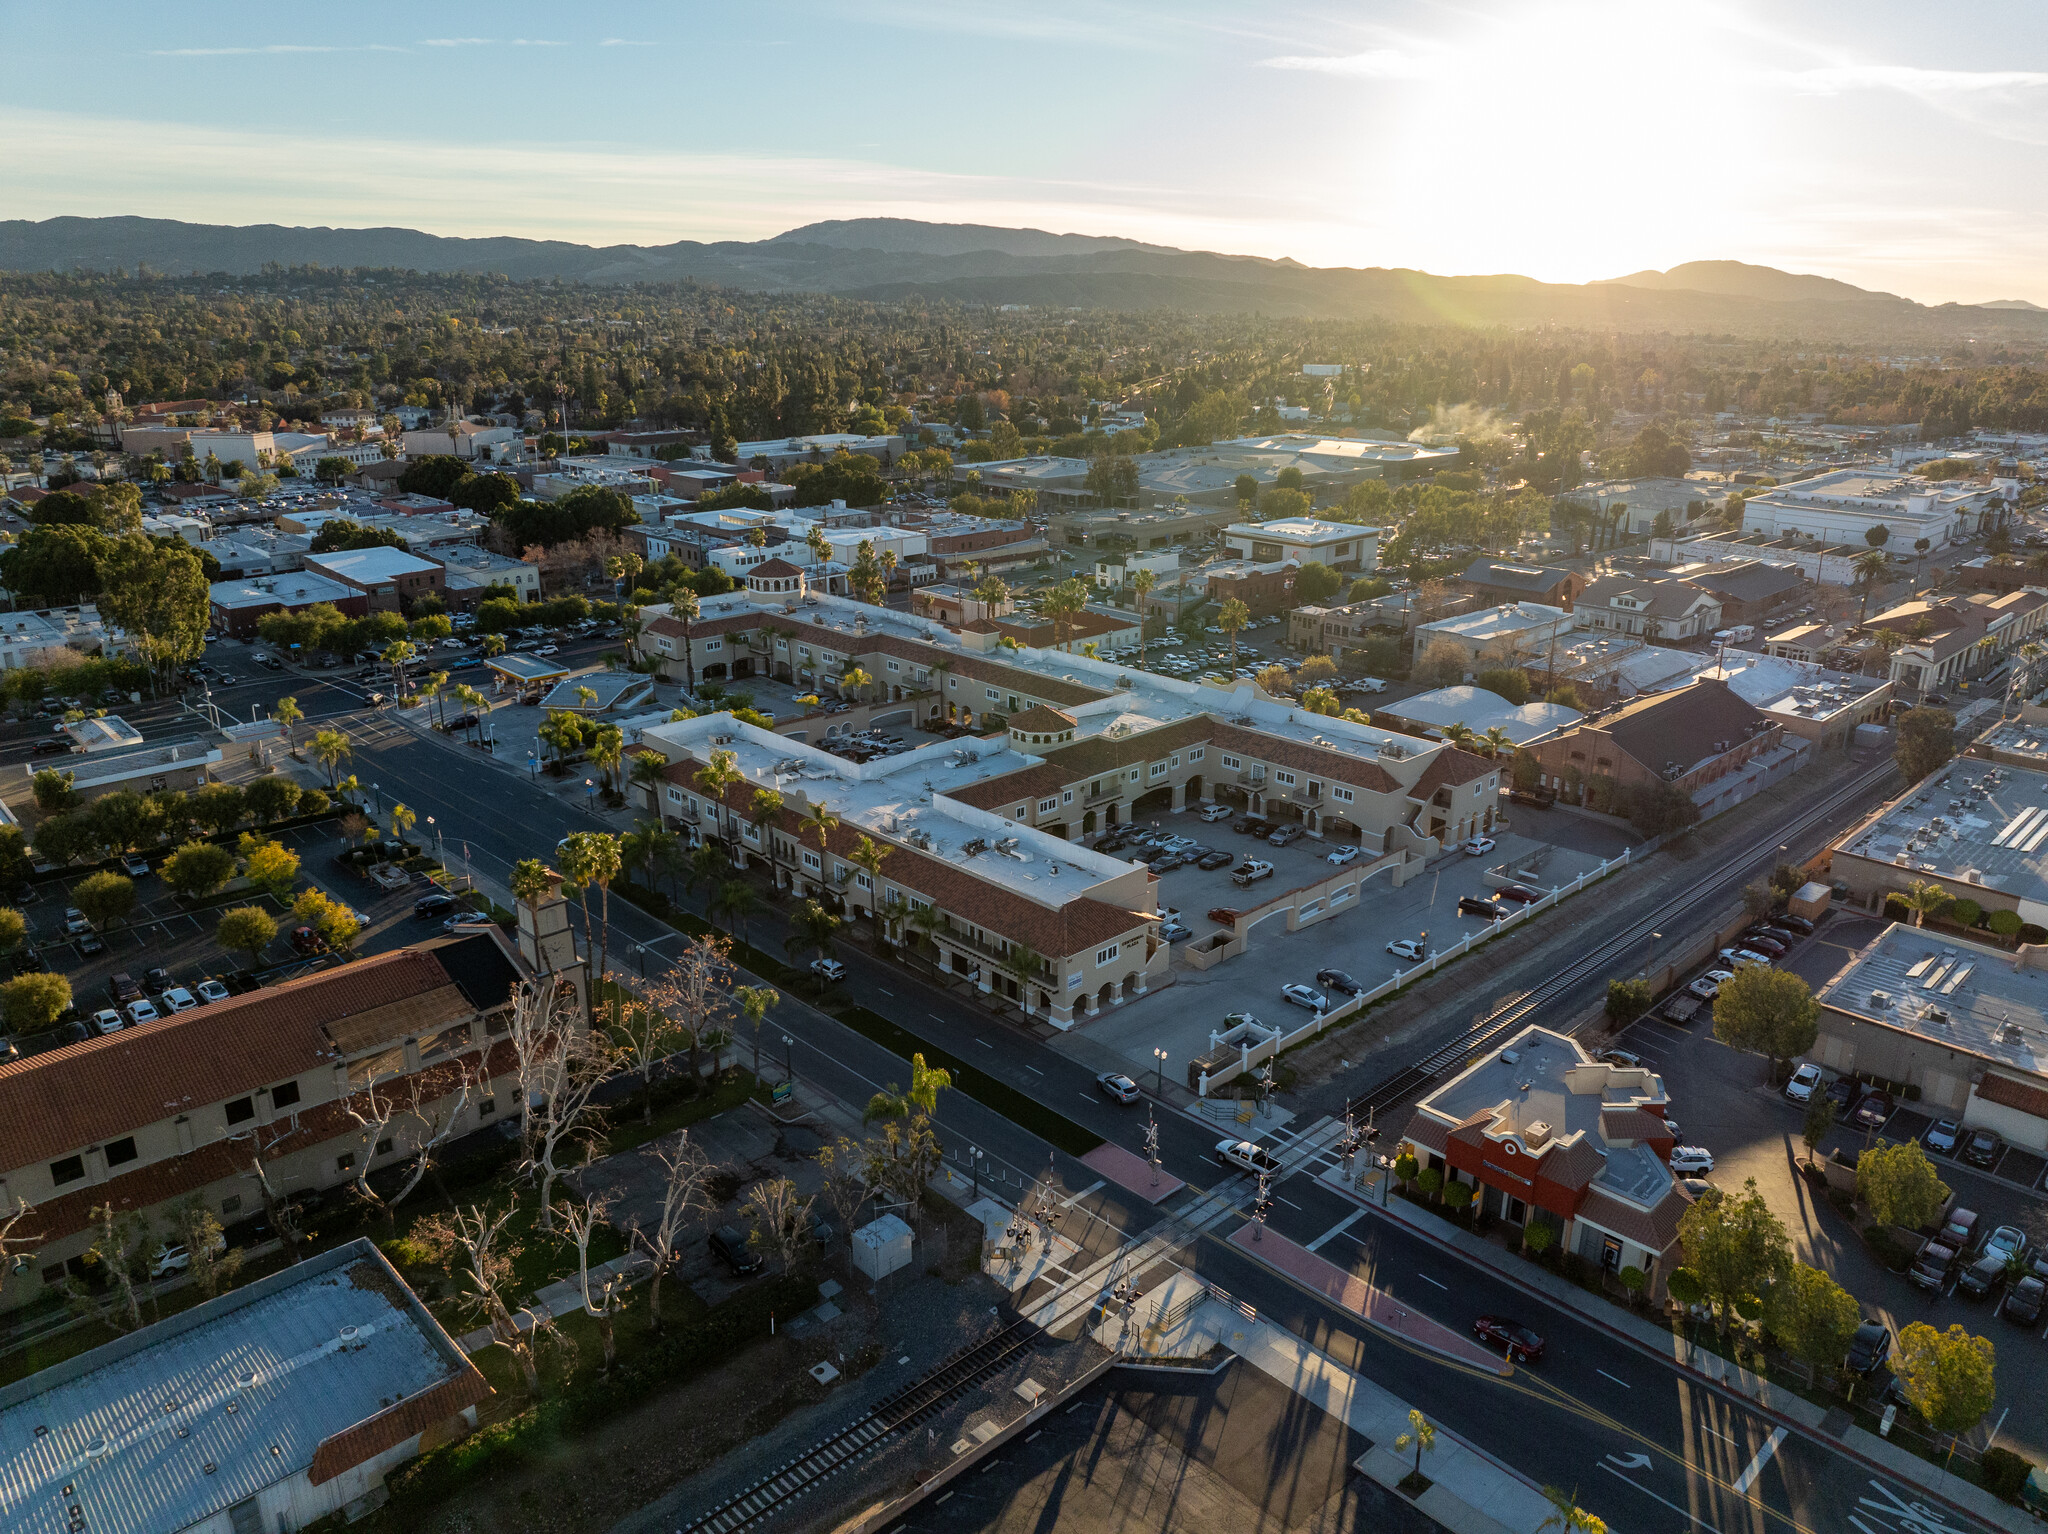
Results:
x,y
1159,1072
378,790
440,852
974,1162
1259,1208
788,1060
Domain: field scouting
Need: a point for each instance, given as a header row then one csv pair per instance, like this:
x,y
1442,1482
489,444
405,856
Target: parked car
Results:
x,y
1306,996
56,747
468,921
1735,958
1224,915
1689,1159
1252,872
2023,1301
1209,862
1479,846
1872,1111
1798,924
1252,825
1287,836
1521,894
122,987
729,1245
1934,1264
1118,1087
1981,1276
1475,905
1176,932
211,991
1983,1147
2008,1244
135,866
1341,855
828,969
440,903
175,1258
1247,1157
1842,1094
1699,1187
1959,1229
75,922
1520,1344
306,941
143,1011
156,979
1769,947
1869,1348
1801,1087
1337,980
1708,986
1944,1136
177,999
1406,948
1215,812
1621,1057
88,944
107,1020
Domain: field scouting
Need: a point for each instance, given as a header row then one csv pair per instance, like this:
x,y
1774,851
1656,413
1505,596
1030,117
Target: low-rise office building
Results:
x,y
1495,581
1964,1025
1509,635
391,579
1845,505
1948,642
238,606
1304,540
1480,711
1976,830
1666,611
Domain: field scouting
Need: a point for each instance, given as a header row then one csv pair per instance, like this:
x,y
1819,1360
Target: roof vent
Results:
x,y
1880,999
1536,1134
1509,1056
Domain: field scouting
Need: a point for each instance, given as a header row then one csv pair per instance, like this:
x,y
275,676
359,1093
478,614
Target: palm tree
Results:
x,y
927,920
1026,963
819,821
1234,616
855,681
329,749
1063,604
288,714
761,813
819,545
735,901
649,770
683,607
1142,583
398,656
867,856
706,866
1460,735
1569,1518
431,689
531,884
1498,740
494,645
586,696
992,592
403,819
812,927
755,1000
713,779
1924,900
919,1100
606,752
1870,569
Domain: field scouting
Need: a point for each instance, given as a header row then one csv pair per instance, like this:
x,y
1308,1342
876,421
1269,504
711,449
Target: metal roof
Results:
x,y
1965,995
179,1421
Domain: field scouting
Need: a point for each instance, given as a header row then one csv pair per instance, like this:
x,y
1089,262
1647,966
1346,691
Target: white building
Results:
x,y
1340,545
54,636
1119,572
470,441
1514,629
1844,506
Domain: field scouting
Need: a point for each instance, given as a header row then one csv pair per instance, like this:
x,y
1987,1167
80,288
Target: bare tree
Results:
x,y
846,1193
782,1221
560,1065
214,1263
475,1238
685,1196
693,995
15,1248
125,1243
280,1211
644,1034
375,1111
581,1220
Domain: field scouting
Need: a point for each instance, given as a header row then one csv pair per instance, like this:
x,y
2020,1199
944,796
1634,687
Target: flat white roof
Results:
x,y
1300,530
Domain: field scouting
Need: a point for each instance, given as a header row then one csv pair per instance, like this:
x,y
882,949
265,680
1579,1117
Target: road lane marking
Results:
x,y
1034,1070
1720,1435
1428,1280
1337,1229
1076,1198
1682,1512
885,993
935,1017
1756,1466
1624,1384
1290,1203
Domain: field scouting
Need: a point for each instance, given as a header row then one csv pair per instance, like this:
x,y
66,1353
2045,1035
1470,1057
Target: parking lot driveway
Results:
x,y
1839,940
1721,1100
1566,829
1179,1017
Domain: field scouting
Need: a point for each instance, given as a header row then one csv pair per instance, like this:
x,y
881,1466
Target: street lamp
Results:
x,y
1159,1071
440,852
788,1061
974,1162
379,792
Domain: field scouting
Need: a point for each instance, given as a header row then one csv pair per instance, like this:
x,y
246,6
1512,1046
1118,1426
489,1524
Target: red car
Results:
x,y
1758,943
1521,1345
1521,894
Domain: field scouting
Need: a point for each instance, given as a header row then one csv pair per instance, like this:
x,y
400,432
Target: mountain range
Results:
x,y
894,259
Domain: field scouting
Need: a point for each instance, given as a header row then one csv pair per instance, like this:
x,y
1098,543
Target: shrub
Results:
x,y
31,1003
1685,1286
1966,913
1628,1000
2005,923
1430,1180
1896,909
2004,1473
313,802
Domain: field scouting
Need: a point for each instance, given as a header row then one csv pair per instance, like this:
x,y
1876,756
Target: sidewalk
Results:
x,y
1876,1453
563,1297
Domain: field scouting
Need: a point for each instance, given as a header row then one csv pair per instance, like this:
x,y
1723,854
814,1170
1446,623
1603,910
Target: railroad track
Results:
x,y
1484,1030
883,1421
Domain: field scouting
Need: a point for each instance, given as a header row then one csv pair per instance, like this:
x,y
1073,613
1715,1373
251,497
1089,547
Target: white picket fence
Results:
x,y
1253,1053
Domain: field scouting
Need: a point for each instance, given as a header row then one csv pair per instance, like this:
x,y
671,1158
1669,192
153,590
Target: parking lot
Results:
x,y
1179,1017
1722,1100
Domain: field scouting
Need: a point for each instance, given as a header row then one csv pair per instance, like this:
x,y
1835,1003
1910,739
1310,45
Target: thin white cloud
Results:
x,y
455,42
536,42
1834,79
1372,64
217,53
629,42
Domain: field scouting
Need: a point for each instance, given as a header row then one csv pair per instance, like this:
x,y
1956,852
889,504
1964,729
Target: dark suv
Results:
x,y
440,903
729,1246
1982,1147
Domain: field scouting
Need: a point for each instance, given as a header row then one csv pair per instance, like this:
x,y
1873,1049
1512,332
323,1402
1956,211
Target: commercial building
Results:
x,y
1948,642
1704,740
1845,505
1515,634
1087,744
1304,540
1963,1024
1830,564
465,439
468,572
1634,505
55,635
1809,701
1542,1131
270,1407
239,606
1480,711
1495,581
1662,610
1975,829
191,1105
392,579
779,453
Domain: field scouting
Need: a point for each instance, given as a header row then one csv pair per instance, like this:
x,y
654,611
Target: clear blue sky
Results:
x,y
1899,146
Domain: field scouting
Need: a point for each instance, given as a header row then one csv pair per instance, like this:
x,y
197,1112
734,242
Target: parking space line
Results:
x,y
1428,1280
1624,1384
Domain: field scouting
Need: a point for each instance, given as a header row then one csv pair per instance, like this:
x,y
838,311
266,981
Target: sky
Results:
x,y
1899,146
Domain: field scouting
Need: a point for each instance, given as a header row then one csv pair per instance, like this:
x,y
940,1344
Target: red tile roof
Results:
x,y
395,1424
1042,719
1451,765
777,569
1654,1230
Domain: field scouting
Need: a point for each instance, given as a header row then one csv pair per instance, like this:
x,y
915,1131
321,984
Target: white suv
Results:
x,y
1804,1083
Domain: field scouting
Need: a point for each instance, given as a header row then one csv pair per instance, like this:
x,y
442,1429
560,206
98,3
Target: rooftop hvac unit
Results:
x,y
1880,999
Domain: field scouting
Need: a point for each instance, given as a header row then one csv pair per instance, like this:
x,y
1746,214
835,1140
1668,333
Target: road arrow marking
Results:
x,y
1631,1461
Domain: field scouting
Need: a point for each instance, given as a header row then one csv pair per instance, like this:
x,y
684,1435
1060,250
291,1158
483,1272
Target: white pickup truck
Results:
x,y
1247,1157
1252,871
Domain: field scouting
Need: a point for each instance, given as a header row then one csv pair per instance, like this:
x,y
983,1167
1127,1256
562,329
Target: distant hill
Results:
x,y
2011,303
886,259
1737,279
